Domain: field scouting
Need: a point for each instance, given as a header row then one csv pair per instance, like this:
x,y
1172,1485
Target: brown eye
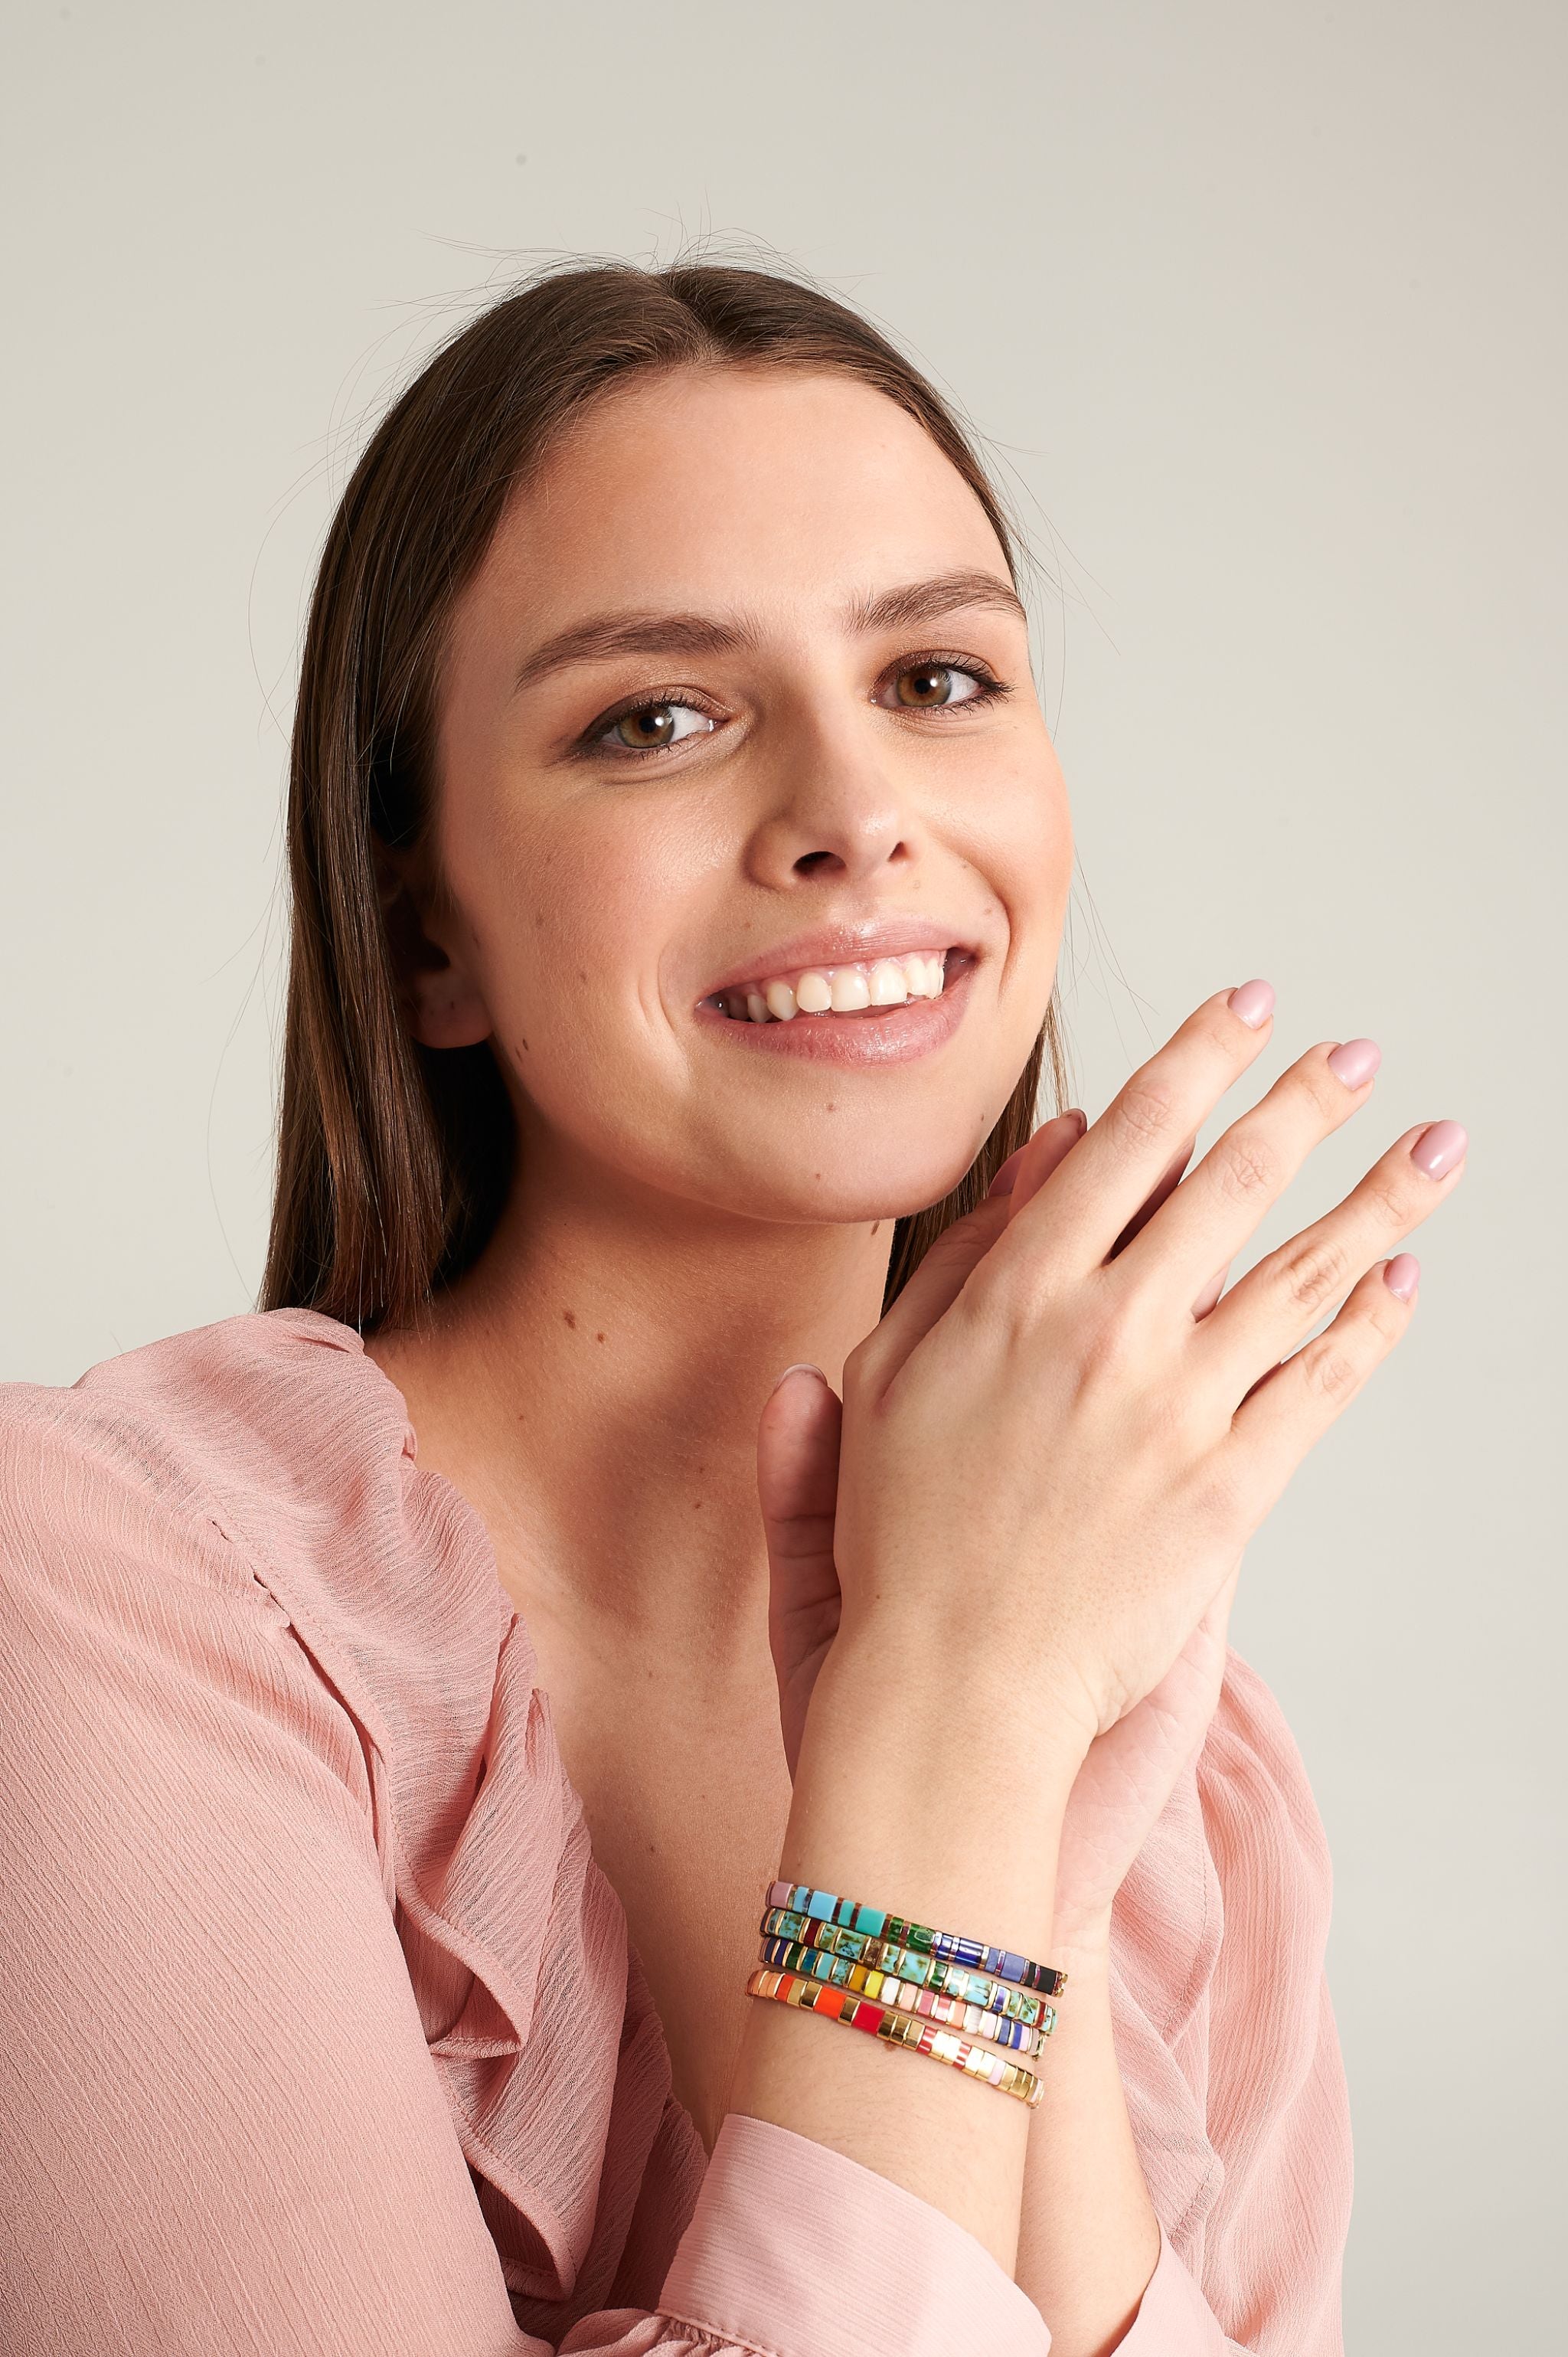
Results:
x,y
928,686
653,726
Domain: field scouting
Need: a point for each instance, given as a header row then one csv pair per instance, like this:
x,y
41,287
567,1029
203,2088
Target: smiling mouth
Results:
x,y
864,988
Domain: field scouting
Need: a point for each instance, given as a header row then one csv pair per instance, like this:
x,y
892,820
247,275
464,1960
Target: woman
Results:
x,y
679,859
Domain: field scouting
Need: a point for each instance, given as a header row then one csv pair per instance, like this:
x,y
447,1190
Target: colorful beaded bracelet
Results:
x,y
855,1915
903,2028
909,1964
885,1989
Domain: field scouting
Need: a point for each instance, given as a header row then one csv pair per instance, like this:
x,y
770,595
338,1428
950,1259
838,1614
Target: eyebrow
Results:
x,y
603,636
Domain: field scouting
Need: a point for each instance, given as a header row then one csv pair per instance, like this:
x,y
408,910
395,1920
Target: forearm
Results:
x,y
949,1828
1089,2238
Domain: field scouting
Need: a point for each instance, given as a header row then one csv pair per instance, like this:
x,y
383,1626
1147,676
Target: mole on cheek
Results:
x,y
571,1318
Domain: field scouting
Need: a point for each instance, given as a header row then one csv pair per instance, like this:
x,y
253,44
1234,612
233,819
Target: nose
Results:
x,y
830,809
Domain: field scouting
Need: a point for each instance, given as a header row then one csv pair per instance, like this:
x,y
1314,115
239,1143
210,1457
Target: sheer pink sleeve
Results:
x,y
226,2126
1230,2052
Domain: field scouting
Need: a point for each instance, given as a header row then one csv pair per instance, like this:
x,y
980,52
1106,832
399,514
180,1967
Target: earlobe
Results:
x,y
441,1001
444,1009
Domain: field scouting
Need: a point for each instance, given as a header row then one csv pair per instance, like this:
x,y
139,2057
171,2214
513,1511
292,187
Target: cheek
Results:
x,y
570,918
1018,835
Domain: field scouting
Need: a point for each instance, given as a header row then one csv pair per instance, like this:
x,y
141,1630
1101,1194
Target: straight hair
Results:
x,y
395,1159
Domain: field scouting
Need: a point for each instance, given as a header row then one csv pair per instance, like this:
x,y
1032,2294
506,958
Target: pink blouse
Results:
x,y
320,2032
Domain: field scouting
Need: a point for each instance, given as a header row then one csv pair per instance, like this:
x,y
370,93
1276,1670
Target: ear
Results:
x,y
440,995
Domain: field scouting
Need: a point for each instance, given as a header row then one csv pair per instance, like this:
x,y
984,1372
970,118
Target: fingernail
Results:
x,y
797,1367
1355,1060
1211,1293
1402,1274
1438,1147
1252,1003
1006,1178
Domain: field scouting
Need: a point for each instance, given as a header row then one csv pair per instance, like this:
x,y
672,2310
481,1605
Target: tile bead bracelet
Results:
x,y
884,1988
855,1915
903,2028
907,1964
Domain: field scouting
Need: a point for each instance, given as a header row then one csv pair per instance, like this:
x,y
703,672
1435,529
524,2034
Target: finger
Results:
x,y
1220,1204
1270,1310
1034,1162
1102,1184
1296,1401
1164,1188
797,1485
951,1259
797,1455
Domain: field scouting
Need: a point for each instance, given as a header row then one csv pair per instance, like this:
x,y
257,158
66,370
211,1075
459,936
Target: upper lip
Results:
x,y
845,944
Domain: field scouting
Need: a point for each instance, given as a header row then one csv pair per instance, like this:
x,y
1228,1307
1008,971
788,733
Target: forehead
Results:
x,y
727,487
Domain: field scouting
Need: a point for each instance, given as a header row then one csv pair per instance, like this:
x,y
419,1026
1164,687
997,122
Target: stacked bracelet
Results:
x,y
854,1915
909,1964
885,1989
902,1981
902,2028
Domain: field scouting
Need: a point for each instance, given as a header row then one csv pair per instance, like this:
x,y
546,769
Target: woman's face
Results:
x,y
737,717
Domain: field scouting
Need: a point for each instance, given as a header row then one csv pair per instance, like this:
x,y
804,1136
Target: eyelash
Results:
x,y
989,689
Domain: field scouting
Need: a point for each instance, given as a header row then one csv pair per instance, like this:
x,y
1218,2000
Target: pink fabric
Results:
x,y
319,2027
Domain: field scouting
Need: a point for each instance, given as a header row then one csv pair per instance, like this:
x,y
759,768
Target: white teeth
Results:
x,y
840,990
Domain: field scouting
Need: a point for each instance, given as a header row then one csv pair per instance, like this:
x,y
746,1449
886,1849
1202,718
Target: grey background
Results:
x,y
1263,306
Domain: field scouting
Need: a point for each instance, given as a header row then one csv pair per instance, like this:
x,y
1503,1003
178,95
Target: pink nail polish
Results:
x,y
1252,1003
1355,1060
1439,1147
1402,1275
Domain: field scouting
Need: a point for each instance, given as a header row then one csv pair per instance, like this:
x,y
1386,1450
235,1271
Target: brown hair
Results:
x,y
395,1159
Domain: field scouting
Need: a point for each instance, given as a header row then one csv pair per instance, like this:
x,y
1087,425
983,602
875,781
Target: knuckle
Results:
x,y
1309,1274
1146,1107
1391,1201
1327,1095
1244,1166
1384,1319
1110,1339
1330,1370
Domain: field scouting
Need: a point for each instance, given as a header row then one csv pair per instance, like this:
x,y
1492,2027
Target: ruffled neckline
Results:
x,y
536,2011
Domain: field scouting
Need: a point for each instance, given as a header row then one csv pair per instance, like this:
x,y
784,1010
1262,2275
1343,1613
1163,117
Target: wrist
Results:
x,y
1081,1944
892,1697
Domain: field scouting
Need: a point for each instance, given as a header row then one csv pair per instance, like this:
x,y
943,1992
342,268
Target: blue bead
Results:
x,y
820,1904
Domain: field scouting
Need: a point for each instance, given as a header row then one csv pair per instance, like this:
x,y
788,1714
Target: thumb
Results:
x,y
797,1486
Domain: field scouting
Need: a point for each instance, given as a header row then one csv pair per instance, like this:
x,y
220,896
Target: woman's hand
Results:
x,y
1130,1771
1049,1458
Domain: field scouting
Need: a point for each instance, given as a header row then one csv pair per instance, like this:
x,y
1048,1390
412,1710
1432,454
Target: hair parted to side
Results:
x,y
395,1159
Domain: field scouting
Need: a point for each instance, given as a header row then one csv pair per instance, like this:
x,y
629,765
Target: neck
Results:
x,y
593,1385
